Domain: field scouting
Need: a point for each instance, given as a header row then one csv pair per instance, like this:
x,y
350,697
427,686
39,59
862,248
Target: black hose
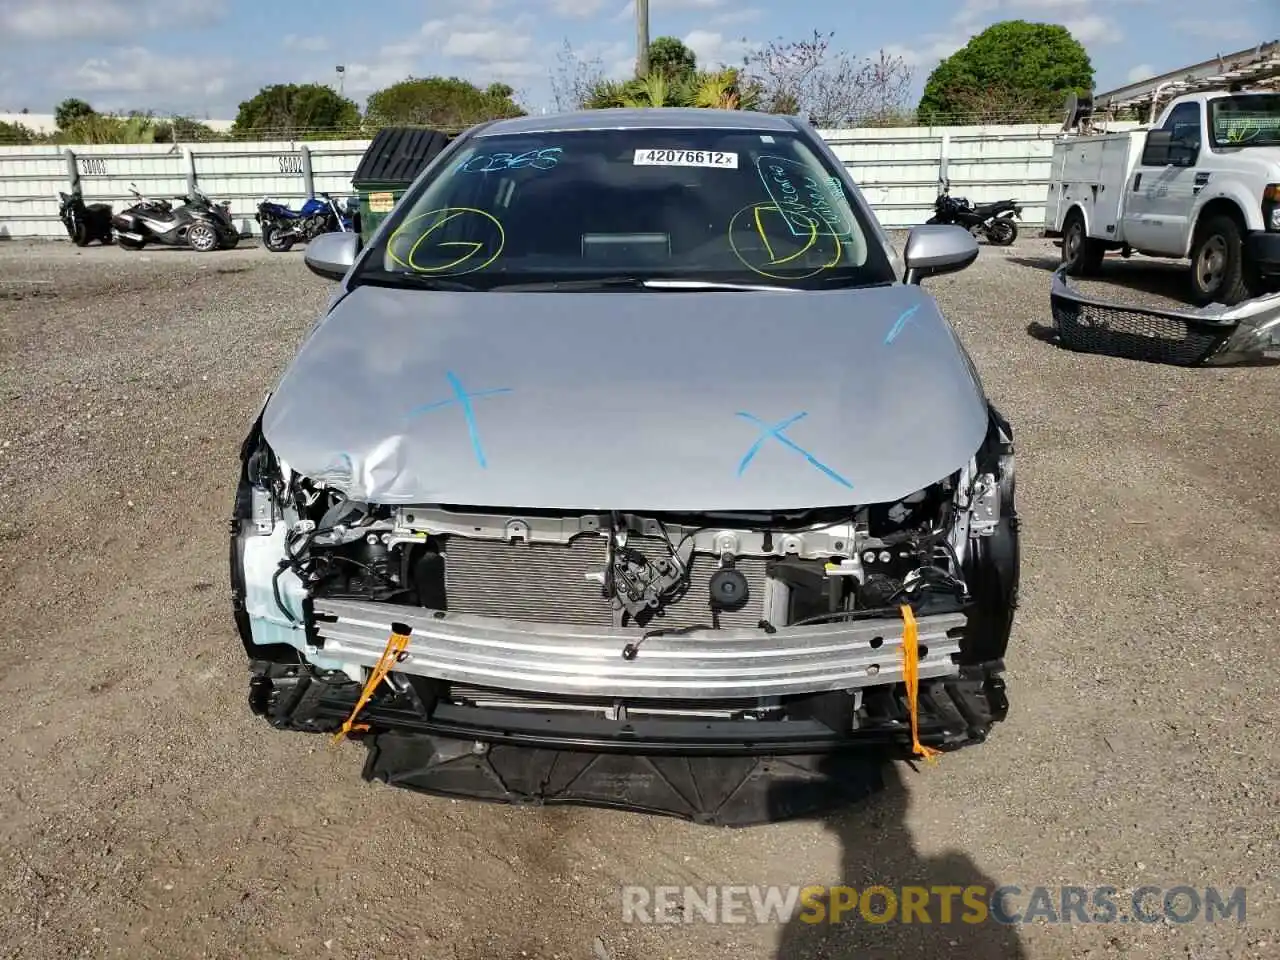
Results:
x,y
275,589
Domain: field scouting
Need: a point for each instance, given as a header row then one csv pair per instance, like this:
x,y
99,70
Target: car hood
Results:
x,y
636,400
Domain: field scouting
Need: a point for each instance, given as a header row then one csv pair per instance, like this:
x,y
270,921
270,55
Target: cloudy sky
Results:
x,y
202,57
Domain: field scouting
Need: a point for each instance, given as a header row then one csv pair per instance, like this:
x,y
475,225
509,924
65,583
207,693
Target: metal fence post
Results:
x,y
944,156
73,170
192,179
308,178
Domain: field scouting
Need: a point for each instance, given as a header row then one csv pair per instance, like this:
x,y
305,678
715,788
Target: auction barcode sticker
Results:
x,y
686,158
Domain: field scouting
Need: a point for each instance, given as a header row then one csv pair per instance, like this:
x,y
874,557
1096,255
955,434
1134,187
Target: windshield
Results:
x,y
721,206
1248,120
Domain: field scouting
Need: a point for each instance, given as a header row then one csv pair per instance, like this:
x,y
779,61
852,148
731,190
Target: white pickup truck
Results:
x,y
1202,182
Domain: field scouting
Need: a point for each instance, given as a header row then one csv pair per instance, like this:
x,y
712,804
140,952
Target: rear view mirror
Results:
x,y
936,249
331,255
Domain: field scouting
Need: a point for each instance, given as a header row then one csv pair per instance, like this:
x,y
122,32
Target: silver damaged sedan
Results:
x,y
630,465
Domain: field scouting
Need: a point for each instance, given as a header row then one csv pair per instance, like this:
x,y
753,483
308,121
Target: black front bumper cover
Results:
x,y
722,771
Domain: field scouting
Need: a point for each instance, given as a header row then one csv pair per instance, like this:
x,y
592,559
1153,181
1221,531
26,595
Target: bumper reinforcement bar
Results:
x,y
573,660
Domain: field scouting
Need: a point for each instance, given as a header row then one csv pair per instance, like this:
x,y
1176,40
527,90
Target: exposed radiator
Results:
x,y
548,583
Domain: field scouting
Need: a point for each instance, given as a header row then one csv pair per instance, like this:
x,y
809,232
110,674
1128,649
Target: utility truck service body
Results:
x,y
1202,182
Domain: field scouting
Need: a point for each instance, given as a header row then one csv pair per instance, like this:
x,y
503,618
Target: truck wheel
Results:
x,y
1218,273
1081,255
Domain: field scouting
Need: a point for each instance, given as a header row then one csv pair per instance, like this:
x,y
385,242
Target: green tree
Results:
x,y
15,133
1029,66
445,103
69,111
287,111
669,57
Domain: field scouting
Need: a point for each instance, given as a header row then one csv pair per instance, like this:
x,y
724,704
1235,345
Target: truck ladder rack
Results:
x,y
1257,67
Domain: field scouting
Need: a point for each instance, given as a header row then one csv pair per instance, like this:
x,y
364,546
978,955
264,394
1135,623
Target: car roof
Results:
x,y
644,118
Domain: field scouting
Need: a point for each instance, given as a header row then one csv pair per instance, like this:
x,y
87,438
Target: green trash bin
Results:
x,y
392,161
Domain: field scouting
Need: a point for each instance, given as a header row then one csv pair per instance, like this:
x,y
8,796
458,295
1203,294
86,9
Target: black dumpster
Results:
x,y
392,161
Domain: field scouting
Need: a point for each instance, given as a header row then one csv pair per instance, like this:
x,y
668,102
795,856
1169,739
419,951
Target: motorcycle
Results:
x,y
996,221
84,222
197,222
282,227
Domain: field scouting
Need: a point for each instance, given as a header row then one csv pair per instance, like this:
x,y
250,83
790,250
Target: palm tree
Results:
x,y
652,91
710,90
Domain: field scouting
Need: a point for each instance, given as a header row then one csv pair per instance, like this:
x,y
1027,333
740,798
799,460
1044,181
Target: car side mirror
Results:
x,y
331,255
935,249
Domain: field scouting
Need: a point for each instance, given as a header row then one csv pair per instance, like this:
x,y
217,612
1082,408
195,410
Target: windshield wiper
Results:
x,y
638,283
389,279
715,285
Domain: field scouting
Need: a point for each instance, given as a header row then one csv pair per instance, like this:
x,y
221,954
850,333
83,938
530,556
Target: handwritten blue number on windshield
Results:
x,y
544,159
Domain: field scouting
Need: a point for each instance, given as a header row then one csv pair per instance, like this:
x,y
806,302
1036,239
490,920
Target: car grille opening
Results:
x,y
549,583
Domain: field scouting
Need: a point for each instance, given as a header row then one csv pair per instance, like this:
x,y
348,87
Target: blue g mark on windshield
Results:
x,y
544,159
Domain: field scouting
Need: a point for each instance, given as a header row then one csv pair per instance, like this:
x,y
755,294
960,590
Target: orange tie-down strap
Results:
x,y
397,644
911,678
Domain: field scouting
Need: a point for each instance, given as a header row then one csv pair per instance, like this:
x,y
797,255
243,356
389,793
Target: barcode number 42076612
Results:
x,y
686,158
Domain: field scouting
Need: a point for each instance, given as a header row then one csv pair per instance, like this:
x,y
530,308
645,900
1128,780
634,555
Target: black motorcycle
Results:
x,y
85,222
996,221
197,222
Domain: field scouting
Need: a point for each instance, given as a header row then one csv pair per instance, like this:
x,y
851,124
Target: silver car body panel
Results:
x,y
587,661
656,401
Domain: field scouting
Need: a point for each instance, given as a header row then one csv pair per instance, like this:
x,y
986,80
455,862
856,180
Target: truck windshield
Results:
x,y
1246,120
571,207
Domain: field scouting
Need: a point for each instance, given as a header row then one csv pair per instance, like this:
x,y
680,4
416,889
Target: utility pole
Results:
x,y
642,38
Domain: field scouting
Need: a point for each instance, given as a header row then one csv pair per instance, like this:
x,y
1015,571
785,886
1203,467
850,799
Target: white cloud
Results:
x,y
1092,28
26,20
308,44
617,58
936,47
487,45
463,44
972,11
730,17
162,81
713,50
1142,71
576,8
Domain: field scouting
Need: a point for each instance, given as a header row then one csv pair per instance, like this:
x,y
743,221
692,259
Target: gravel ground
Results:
x,y
145,813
